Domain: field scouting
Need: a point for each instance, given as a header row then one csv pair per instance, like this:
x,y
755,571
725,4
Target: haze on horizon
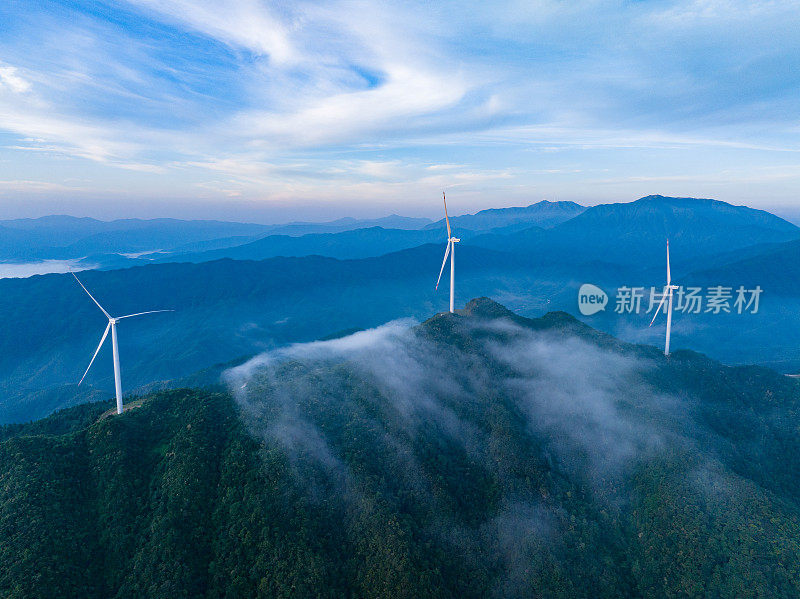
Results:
x,y
267,111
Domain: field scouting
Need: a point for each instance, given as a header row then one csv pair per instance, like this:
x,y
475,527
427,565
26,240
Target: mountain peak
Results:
x,y
659,199
485,308
540,214
488,309
557,204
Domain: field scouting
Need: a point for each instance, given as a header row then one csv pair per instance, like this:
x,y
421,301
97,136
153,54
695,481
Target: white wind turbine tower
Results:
x,y
450,251
667,296
112,324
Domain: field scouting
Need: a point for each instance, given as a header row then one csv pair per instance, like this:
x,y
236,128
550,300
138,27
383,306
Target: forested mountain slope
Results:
x,y
478,454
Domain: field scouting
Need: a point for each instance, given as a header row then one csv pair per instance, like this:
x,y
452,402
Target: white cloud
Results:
x,y
245,24
353,117
29,185
39,120
11,80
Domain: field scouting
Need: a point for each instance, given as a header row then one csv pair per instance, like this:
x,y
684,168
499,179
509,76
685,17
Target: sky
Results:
x,y
272,111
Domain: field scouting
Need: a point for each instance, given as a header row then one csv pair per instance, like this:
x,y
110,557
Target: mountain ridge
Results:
x,y
544,214
637,231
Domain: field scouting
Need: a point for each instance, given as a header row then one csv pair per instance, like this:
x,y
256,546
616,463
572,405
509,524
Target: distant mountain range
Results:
x,y
366,241
127,242
555,232
543,214
67,237
227,308
392,221
479,454
358,243
634,233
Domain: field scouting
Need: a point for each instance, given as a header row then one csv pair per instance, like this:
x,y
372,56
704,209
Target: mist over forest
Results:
x,y
474,454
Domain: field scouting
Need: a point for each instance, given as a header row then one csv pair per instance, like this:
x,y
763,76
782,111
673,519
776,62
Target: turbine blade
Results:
x,y
446,218
660,305
669,275
446,254
140,313
91,296
102,340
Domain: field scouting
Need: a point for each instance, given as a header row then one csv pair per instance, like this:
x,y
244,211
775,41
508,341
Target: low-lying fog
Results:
x,y
21,270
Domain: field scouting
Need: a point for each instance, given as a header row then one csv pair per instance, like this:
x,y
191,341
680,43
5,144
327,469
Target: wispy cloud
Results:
x,y
10,79
246,24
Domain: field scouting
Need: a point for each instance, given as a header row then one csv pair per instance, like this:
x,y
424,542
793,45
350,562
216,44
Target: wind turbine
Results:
x,y
450,251
112,324
668,289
